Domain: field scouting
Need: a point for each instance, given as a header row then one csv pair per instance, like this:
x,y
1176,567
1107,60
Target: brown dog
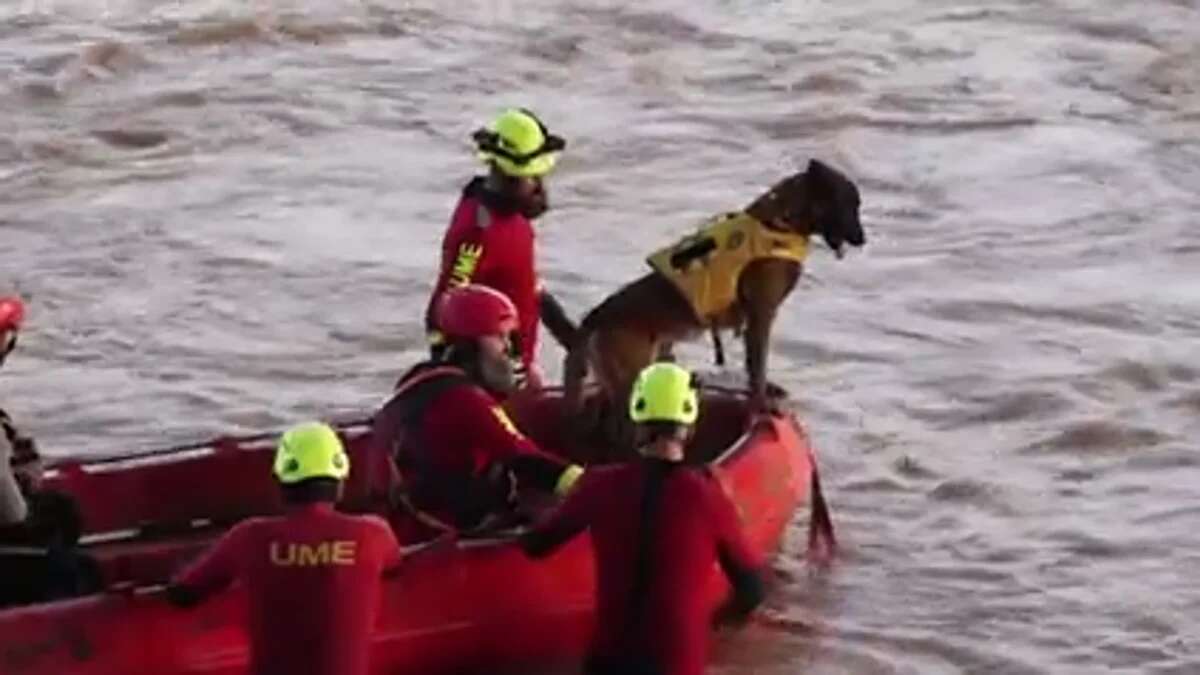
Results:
x,y
765,247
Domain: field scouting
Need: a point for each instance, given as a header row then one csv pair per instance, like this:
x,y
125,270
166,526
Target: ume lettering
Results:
x,y
325,553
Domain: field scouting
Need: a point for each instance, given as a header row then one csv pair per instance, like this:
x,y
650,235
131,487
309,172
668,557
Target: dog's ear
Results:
x,y
817,172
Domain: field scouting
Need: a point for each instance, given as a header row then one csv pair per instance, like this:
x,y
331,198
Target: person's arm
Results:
x,y
493,429
738,559
555,318
562,524
459,265
212,573
13,508
392,555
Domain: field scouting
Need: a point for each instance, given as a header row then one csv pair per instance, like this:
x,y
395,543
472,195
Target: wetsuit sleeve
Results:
x,y
555,318
562,524
390,554
212,573
461,257
739,561
493,429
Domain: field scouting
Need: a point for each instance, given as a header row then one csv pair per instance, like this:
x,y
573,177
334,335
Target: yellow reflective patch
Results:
x,y
707,265
506,422
465,264
322,554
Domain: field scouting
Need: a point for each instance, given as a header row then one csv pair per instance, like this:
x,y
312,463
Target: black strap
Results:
x,y
657,472
416,391
10,432
692,250
414,399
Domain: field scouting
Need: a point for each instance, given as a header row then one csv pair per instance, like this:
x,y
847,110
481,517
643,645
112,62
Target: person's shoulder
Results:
x,y
469,394
368,522
246,531
701,479
253,525
372,532
610,474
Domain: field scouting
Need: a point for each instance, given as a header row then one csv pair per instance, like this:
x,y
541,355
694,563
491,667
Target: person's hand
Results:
x,y
534,380
732,613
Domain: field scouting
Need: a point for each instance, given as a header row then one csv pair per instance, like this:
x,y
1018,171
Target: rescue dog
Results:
x,y
636,324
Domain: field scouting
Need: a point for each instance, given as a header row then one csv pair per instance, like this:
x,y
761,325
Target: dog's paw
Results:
x,y
775,391
765,405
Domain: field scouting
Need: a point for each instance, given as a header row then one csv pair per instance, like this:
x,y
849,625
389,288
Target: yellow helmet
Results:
x,y
664,392
311,450
518,144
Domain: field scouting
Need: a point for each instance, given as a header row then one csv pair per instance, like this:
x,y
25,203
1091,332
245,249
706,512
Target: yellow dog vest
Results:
x,y
706,266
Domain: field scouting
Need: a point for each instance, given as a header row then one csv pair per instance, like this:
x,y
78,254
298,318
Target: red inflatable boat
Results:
x,y
470,604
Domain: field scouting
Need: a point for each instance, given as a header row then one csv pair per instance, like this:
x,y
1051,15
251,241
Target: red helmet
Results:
x,y
474,311
12,313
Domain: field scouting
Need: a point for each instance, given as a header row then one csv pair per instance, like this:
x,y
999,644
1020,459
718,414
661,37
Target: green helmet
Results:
x,y
664,392
518,144
311,450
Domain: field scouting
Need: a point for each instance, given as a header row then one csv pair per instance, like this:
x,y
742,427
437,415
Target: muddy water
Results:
x,y
225,215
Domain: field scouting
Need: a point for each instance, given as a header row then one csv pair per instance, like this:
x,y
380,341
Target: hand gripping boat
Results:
x,y
457,605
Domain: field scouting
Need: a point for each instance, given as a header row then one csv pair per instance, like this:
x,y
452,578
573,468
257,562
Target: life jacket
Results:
x,y
706,266
414,393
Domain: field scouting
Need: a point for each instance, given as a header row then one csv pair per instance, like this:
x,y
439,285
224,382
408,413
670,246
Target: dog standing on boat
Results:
x,y
735,273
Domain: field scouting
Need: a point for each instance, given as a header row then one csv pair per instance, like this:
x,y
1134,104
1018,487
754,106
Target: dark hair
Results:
x,y
649,432
463,353
498,193
312,491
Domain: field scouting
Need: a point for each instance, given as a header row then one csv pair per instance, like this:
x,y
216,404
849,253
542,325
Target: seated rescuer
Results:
x,y
12,503
459,454
312,575
491,239
39,527
657,527
52,527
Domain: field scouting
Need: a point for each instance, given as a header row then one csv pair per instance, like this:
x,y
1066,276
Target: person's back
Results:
x,y
313,580
658,527
312,576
